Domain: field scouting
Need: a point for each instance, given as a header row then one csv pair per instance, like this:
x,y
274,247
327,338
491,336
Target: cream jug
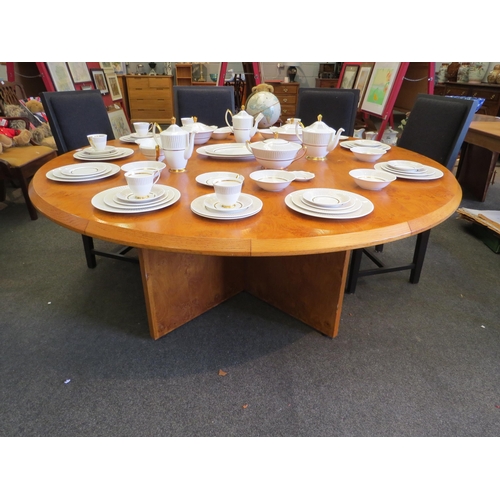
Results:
x,y
319,138
177,146
244,125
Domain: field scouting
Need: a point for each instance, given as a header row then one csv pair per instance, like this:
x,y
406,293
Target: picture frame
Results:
x,y
60,76
79,72
100,81
119,123
114,86
349,76
362,79
380,86
106,66
119,68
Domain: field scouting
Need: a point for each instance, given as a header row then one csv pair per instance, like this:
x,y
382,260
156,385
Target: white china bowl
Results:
x,y
221,133
272,180
274,164
368,154
366,143
147,164
369,178
202,137
274,149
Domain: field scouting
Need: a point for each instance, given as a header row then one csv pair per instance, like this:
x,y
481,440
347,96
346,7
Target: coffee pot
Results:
x,y
177,145
244,125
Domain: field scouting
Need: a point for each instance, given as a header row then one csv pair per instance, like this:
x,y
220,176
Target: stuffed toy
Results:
x,y
36,107
10,137
263,87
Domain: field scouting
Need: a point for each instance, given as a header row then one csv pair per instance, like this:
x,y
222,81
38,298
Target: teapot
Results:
x,y
319,138
177,145
244,125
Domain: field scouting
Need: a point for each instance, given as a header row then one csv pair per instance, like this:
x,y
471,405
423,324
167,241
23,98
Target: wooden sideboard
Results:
x,y
148,98
490,92
287,93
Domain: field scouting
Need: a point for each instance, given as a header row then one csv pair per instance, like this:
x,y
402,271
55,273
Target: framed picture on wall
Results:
x,y
379,87
349,76
114,86
79,72
119,123
365,70
119,68
60,76
100,81
106,66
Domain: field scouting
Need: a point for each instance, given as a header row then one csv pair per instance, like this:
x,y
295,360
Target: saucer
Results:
x,y
212,203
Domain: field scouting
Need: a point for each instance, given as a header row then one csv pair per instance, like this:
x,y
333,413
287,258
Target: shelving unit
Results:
x,y
184,74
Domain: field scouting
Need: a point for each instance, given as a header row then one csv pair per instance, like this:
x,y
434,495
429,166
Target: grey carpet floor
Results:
x,y
76,358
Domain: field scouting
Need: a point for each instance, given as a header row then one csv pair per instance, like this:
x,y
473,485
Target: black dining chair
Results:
x,y
208,103
73,115
436,128
338,107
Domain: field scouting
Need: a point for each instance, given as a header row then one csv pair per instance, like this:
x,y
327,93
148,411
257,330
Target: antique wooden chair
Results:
x,y
436,128
19,164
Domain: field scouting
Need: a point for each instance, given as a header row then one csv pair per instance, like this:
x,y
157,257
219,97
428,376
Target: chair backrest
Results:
x,y
208,103
10,93
73,115
337,106
437,126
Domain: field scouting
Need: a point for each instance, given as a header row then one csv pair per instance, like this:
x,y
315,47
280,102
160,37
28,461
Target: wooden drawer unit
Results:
x,y
150,98
287,93
491,94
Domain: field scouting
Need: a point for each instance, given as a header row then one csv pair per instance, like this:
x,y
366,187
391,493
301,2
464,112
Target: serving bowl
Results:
x,y
272,180
202,132
276,153
221,133
368,154
147,147
369,178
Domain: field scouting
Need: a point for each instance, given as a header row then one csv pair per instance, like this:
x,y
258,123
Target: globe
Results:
x,y
267,104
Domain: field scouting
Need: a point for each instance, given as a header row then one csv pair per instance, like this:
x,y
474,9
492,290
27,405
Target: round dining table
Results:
x,y
293,261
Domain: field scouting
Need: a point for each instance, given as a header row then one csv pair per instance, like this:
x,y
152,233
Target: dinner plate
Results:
x,y
137,136
326,198
199,208
350,206
229,151
208,178
352,144
121,153
430,174
406,166
294,202
157,192
108,150
213,204
129,139
82,170
113,201
55,175
98,201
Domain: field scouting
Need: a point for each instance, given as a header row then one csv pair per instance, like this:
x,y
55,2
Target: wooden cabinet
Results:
x,y
491,94
184,74
327,83
287,93
149,98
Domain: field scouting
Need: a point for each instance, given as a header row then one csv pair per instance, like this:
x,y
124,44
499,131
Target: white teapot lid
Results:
x,y
174,130
319,127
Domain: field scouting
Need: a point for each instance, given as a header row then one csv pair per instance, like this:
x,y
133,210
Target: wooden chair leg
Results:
x,y
355,264
23,183
3,191
419,256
